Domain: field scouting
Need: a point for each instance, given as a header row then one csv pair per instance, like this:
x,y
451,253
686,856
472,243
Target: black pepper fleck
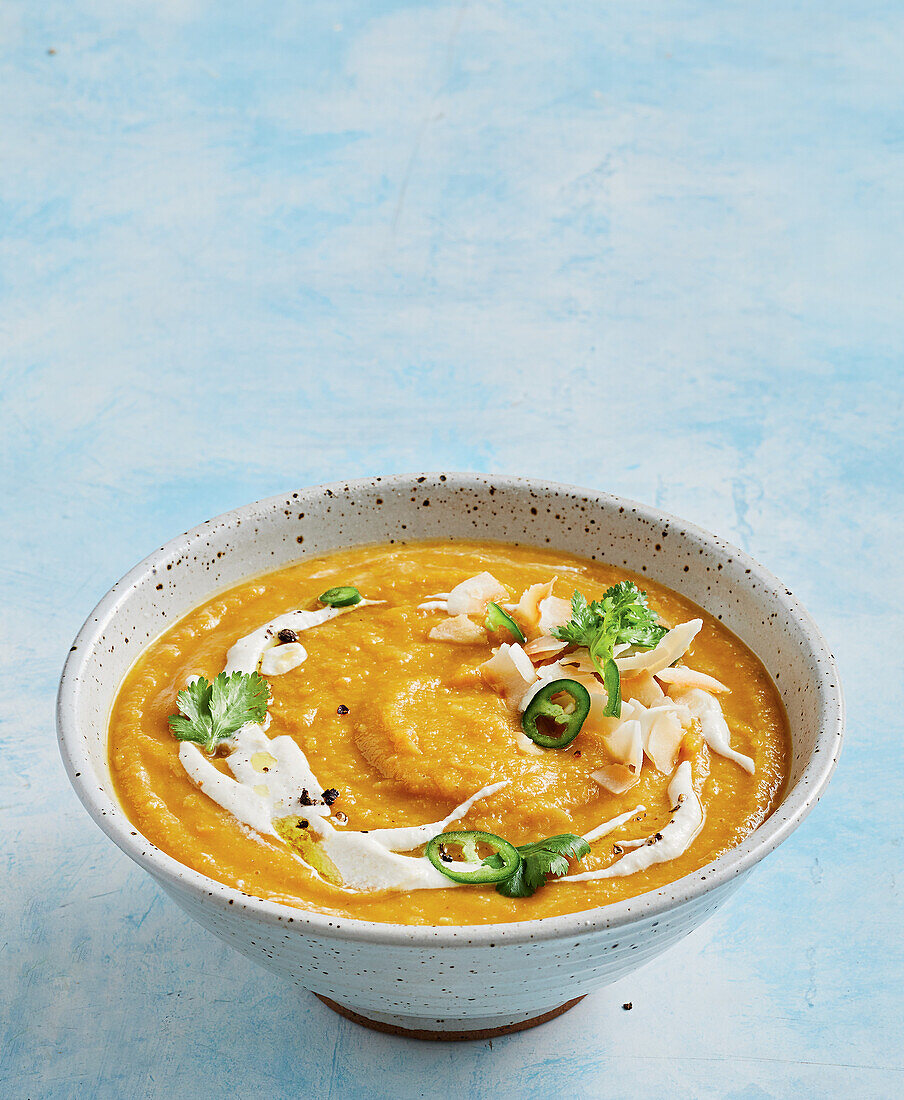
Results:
x,y
330,795
627,1006
287,635
342,709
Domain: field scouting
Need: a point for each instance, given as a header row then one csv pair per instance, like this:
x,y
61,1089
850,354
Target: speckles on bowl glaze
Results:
x,y
409,971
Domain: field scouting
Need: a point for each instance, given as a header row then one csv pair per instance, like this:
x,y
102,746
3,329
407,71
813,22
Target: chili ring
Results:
x,y
542,706
483,872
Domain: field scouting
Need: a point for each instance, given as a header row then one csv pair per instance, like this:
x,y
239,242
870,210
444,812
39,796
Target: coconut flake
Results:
x,y
472,595
439,601
554,612
643,687
459,628
528,607
616,778
580,661
713,727
671,646
663,741
625,745
662,729
544,646
509,671
684,678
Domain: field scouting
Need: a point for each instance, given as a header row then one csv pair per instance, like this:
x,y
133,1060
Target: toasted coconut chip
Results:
x,y
664,742
670,648
528,607
554,612
472,595
509,671
616,778
643,687
625,745
458,629
557,670
660,744
544,646
437,602
683,677
580,662
713,727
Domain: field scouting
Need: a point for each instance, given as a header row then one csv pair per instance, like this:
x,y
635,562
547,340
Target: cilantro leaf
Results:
x,y
211,712
539,860
621,617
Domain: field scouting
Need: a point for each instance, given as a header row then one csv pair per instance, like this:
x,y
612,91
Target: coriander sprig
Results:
x,y
540,860
621,617
212,712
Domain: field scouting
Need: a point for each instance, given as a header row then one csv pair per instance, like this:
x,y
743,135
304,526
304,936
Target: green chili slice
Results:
x,y
340,597
496,618
508,857
612,680
571,720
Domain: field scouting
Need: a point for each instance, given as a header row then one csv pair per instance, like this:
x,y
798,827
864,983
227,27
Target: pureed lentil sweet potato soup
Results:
x,y
308,735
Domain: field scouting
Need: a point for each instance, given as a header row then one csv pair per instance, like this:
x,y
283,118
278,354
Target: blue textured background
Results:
x,y
652,247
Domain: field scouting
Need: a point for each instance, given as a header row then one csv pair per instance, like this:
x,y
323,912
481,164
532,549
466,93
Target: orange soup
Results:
x,y
584,734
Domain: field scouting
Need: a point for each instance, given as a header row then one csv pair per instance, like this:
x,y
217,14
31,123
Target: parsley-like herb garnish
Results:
x,y
539,860
211,712
620,617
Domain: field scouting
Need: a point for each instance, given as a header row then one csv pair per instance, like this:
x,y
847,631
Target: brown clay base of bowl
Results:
x,y
447,1036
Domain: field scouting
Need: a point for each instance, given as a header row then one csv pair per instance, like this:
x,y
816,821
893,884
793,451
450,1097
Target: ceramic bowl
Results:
x,y
447,981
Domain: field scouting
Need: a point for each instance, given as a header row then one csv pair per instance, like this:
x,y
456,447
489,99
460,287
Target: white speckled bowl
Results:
x,y
467,980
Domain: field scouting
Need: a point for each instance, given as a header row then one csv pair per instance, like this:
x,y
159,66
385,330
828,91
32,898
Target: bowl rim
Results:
x,y
171,874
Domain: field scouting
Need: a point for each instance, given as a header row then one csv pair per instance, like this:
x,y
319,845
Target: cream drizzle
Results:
x,y
713,727
609,826
673,839
365,860
372,860
245,655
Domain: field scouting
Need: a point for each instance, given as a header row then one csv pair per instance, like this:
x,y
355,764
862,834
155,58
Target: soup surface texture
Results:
x,y
400,720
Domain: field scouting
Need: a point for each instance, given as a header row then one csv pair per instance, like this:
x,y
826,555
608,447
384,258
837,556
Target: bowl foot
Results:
x,y
444,1030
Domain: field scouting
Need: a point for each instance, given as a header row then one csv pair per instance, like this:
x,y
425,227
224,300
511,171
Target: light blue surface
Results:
x,y
654,248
